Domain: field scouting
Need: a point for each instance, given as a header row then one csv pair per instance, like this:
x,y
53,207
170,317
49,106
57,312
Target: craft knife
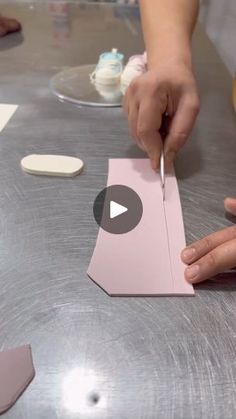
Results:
x,y
162,174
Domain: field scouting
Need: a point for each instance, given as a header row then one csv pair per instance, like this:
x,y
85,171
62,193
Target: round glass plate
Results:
x,y
73,85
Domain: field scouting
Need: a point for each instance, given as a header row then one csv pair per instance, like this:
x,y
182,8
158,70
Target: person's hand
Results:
x,y
8,25
213,254
170,89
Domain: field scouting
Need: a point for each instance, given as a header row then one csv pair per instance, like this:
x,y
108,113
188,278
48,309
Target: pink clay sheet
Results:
x,y
16,372
145,261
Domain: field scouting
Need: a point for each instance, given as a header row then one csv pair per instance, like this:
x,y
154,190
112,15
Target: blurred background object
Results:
x,y
61,22
218,18
234,92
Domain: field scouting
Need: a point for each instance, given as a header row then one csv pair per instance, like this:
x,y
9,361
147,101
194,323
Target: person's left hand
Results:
x,y
213,254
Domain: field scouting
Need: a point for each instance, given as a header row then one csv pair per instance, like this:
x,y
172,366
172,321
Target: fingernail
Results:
x,y
188,254
226,203
192,272
230,205
154,165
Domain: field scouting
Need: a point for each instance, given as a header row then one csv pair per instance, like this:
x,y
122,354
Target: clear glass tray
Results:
x,y
73,85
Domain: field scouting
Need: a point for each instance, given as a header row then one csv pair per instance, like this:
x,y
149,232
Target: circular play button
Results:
x,y
118,209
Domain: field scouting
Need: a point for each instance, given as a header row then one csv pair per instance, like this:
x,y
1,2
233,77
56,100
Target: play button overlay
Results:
x,y
118,209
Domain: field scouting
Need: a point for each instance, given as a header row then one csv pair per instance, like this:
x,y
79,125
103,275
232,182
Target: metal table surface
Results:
x,y
96,356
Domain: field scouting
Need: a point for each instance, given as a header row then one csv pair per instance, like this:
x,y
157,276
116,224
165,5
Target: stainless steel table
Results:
x,y
96,356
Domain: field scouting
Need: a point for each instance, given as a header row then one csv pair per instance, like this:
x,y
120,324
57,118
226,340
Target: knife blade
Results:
x,y
162,174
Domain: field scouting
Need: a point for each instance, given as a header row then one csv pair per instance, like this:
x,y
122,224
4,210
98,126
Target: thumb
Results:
x,y
230,205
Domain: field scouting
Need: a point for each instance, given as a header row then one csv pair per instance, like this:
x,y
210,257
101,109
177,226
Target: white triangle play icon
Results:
x,y
116,209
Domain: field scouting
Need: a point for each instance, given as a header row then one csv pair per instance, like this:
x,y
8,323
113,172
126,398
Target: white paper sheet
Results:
x,y
6,112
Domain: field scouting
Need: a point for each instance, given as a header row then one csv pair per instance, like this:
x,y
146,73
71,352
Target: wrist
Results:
x,y
170,52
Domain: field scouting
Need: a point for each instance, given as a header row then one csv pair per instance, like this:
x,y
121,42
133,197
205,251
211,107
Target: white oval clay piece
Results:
x,y
52,165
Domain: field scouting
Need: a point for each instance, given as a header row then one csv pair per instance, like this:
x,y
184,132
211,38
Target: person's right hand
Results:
x,y
169,89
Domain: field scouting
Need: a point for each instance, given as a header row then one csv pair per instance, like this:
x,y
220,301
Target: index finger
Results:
x,y
149,123
200,248
216,261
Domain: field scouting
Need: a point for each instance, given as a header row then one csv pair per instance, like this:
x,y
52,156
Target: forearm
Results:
x,y
167,27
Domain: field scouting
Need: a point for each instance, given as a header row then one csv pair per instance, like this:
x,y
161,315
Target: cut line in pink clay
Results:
x,y
16,372
145,261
